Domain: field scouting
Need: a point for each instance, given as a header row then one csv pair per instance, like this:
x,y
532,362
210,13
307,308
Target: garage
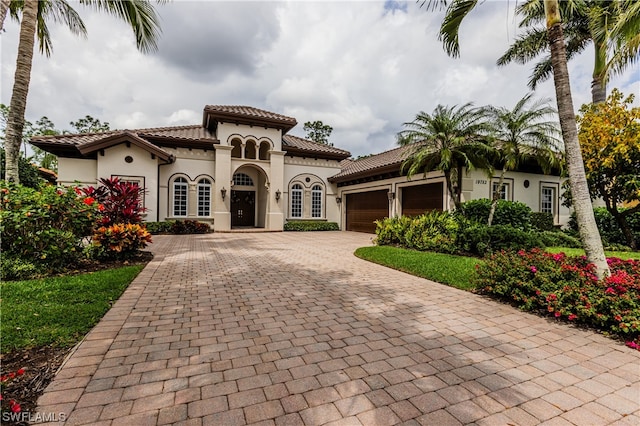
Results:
x,y
418,199
364,208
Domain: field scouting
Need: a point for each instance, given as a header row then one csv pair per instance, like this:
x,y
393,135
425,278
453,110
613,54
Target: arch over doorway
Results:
x,y
249,197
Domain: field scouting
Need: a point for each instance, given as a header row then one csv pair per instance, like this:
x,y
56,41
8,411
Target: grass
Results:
x,y
624,255
449,269
58,311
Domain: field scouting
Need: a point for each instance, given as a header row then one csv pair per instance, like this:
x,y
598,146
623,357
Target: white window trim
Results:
x,y
299,190
208,187
507,188
174,185
313,192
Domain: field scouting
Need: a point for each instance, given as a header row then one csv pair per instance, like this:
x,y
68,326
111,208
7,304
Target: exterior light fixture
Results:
x,y
223,192
338,200
391,195
278,194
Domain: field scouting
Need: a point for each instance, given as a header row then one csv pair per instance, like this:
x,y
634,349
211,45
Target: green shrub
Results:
x,y
542,221
44,227
559,239
310,225
159,227
433,231
14,268
119,241
189,227
567,288
611,234
482,239
513,213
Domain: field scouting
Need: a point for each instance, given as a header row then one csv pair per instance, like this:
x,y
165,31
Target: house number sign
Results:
x,y
481,182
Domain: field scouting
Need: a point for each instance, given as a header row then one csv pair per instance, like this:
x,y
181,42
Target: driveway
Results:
x,y
291,328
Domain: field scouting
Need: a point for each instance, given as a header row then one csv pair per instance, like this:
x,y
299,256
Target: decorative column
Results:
x,y
222,208
275,209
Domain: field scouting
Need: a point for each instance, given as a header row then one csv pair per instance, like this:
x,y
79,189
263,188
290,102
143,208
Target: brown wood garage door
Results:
x,y
364,208
421,198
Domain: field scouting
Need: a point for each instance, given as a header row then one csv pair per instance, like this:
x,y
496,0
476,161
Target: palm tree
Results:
x,y
140,14
457,10
524,133
612,27
447,140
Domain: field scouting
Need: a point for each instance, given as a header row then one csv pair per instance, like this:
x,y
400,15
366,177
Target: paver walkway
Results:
x,y
291,328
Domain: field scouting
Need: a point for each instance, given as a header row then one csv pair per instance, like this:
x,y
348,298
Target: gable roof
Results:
x,y
385,162
241,114
295,145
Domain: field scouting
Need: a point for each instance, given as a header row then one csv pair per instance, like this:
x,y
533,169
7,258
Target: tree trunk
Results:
x,y
599,84
598,91
621,220
494,199
4,9
15,121
452,197
575,164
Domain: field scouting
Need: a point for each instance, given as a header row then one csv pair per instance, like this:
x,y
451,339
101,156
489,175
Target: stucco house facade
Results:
x,y
241,169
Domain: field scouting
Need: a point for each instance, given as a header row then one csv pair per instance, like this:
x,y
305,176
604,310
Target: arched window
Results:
x,y
180,194
250,150
316,201
296,200
242,179
264,150
204,197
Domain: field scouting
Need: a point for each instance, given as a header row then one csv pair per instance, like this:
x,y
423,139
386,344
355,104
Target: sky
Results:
x,y
362,67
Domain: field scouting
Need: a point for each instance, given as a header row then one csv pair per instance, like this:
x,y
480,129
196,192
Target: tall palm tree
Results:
x,y
612,26
140,14
447,140
456,11
522,133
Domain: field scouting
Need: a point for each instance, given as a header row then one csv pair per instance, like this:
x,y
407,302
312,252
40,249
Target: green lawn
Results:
x,y
452,270
579,252
60,310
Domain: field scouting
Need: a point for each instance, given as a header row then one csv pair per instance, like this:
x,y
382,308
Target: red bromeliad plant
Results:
x,y
13,406
567,288
118,201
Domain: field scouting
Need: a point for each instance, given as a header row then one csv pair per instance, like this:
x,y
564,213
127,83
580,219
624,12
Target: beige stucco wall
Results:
x,y
73,170
227,131
144,167
317,170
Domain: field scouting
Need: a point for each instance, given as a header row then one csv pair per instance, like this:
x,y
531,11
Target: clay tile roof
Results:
x,y
295,144
193,132
368,165
248,115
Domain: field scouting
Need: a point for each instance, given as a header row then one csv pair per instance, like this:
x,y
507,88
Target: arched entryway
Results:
x,y
249,197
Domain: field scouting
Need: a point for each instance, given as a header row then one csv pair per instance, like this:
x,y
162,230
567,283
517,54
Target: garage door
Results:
x,y
364,208
421,198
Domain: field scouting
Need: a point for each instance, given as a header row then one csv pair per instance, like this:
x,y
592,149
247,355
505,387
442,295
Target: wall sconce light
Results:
x,y
223,192
278,194
391,195
338,200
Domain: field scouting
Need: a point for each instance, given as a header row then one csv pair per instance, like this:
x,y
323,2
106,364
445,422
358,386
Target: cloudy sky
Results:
x,y
363,67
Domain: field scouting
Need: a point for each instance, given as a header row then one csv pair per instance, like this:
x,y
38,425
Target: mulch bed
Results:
x,y
41,363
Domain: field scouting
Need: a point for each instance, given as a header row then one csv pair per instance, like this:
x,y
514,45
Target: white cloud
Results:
x,y
360,67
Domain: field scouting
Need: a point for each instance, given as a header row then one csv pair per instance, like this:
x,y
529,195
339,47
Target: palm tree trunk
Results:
x,y
494,199
452,196
4,8
575,164
598,84
15,121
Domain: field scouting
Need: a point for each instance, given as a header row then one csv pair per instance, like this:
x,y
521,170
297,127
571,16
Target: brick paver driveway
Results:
x,y
291,328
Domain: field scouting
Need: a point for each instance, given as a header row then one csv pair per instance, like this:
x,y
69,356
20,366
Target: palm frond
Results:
x,y
450,28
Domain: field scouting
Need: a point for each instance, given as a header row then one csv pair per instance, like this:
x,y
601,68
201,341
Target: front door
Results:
x,y
243,208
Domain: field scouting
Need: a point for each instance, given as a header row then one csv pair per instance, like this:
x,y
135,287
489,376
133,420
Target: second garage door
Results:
x,y
364,208
421,198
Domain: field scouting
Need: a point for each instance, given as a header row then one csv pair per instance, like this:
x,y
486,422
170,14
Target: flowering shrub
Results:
x,y
567,288
12,405
118,201
42,230
120,241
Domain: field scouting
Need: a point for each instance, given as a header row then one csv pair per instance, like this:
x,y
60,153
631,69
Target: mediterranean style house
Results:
x,y
241,169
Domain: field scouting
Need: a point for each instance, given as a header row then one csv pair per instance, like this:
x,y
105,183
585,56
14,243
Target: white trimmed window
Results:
x,y
204,197
180,194
505,191
316,201
547,199
242,179
296,200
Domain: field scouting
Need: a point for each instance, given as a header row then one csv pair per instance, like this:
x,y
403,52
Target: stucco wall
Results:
x,y
71,170
226,131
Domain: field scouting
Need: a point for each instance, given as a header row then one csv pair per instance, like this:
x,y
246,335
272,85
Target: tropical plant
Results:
x,y
140,14
88,124
611,26
610,140
523,133
119,201
317,131
448,140
457,10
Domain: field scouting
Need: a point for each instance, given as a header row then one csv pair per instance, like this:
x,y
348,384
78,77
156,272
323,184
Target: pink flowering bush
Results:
x,y
567,288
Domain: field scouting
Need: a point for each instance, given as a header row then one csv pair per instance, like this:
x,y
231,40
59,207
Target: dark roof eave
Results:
x,y
234,118
366,173
316,154
124,137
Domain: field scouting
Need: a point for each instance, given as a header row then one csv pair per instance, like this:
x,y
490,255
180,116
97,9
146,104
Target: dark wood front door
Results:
x,y
243,208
